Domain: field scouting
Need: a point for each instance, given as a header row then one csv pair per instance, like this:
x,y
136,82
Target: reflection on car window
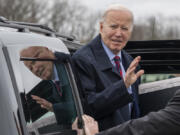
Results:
x,y
47,94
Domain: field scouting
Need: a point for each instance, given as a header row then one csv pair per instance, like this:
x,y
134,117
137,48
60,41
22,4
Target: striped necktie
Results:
x,y
57,84
118,66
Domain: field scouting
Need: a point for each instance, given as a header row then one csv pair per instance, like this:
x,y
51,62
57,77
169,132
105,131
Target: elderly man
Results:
x,y
110,76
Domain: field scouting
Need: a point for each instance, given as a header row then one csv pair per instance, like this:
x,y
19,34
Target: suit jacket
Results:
x,y
106,93
163,122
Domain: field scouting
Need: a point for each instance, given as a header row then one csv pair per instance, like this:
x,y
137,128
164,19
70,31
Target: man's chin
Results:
x,y
46,78
46,75
116,50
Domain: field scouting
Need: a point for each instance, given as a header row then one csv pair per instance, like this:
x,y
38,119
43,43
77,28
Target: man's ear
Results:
x,y
48,50
101,26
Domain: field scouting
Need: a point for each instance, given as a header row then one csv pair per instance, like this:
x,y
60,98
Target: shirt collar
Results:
x,y
109,52
56,78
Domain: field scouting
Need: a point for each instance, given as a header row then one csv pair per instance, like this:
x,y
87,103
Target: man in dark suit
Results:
x,y
61,103
108,74
164,122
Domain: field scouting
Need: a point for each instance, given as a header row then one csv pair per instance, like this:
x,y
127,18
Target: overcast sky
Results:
x,y
166,7
165,12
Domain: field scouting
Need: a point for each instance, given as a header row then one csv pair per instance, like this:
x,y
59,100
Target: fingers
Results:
x,y
139,73
35,97
131,76
88,118
75,127
91,126
89,121
131,70
135,62
133,65
38,99
43,103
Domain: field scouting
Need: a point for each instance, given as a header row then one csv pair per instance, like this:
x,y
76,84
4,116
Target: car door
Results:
x,y
66,102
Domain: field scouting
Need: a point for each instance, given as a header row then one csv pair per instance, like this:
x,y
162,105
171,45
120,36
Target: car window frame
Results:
x,y
21,116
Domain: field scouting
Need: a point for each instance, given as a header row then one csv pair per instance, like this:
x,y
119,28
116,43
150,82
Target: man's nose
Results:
x,y
118,32
35,69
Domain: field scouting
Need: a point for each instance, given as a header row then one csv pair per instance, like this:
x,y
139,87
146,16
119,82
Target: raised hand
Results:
x,y
131,76
44,103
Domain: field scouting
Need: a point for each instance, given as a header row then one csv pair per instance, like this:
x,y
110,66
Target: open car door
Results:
x,y
60,90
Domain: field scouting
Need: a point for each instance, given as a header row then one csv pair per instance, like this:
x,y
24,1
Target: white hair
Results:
x,y
117,7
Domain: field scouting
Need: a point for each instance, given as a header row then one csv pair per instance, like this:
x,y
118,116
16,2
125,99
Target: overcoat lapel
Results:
x,y
101,56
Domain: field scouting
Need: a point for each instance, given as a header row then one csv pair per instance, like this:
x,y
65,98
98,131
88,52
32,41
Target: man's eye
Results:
x,y
114,26
124,28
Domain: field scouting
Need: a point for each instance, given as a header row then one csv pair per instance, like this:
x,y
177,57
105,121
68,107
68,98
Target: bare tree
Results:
x,y
21,10
157,27
71,18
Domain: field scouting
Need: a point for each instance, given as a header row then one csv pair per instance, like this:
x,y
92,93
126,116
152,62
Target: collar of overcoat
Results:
x,y
102,58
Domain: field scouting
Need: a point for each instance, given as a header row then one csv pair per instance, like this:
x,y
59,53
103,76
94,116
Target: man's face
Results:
x,y
42,69
116,29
